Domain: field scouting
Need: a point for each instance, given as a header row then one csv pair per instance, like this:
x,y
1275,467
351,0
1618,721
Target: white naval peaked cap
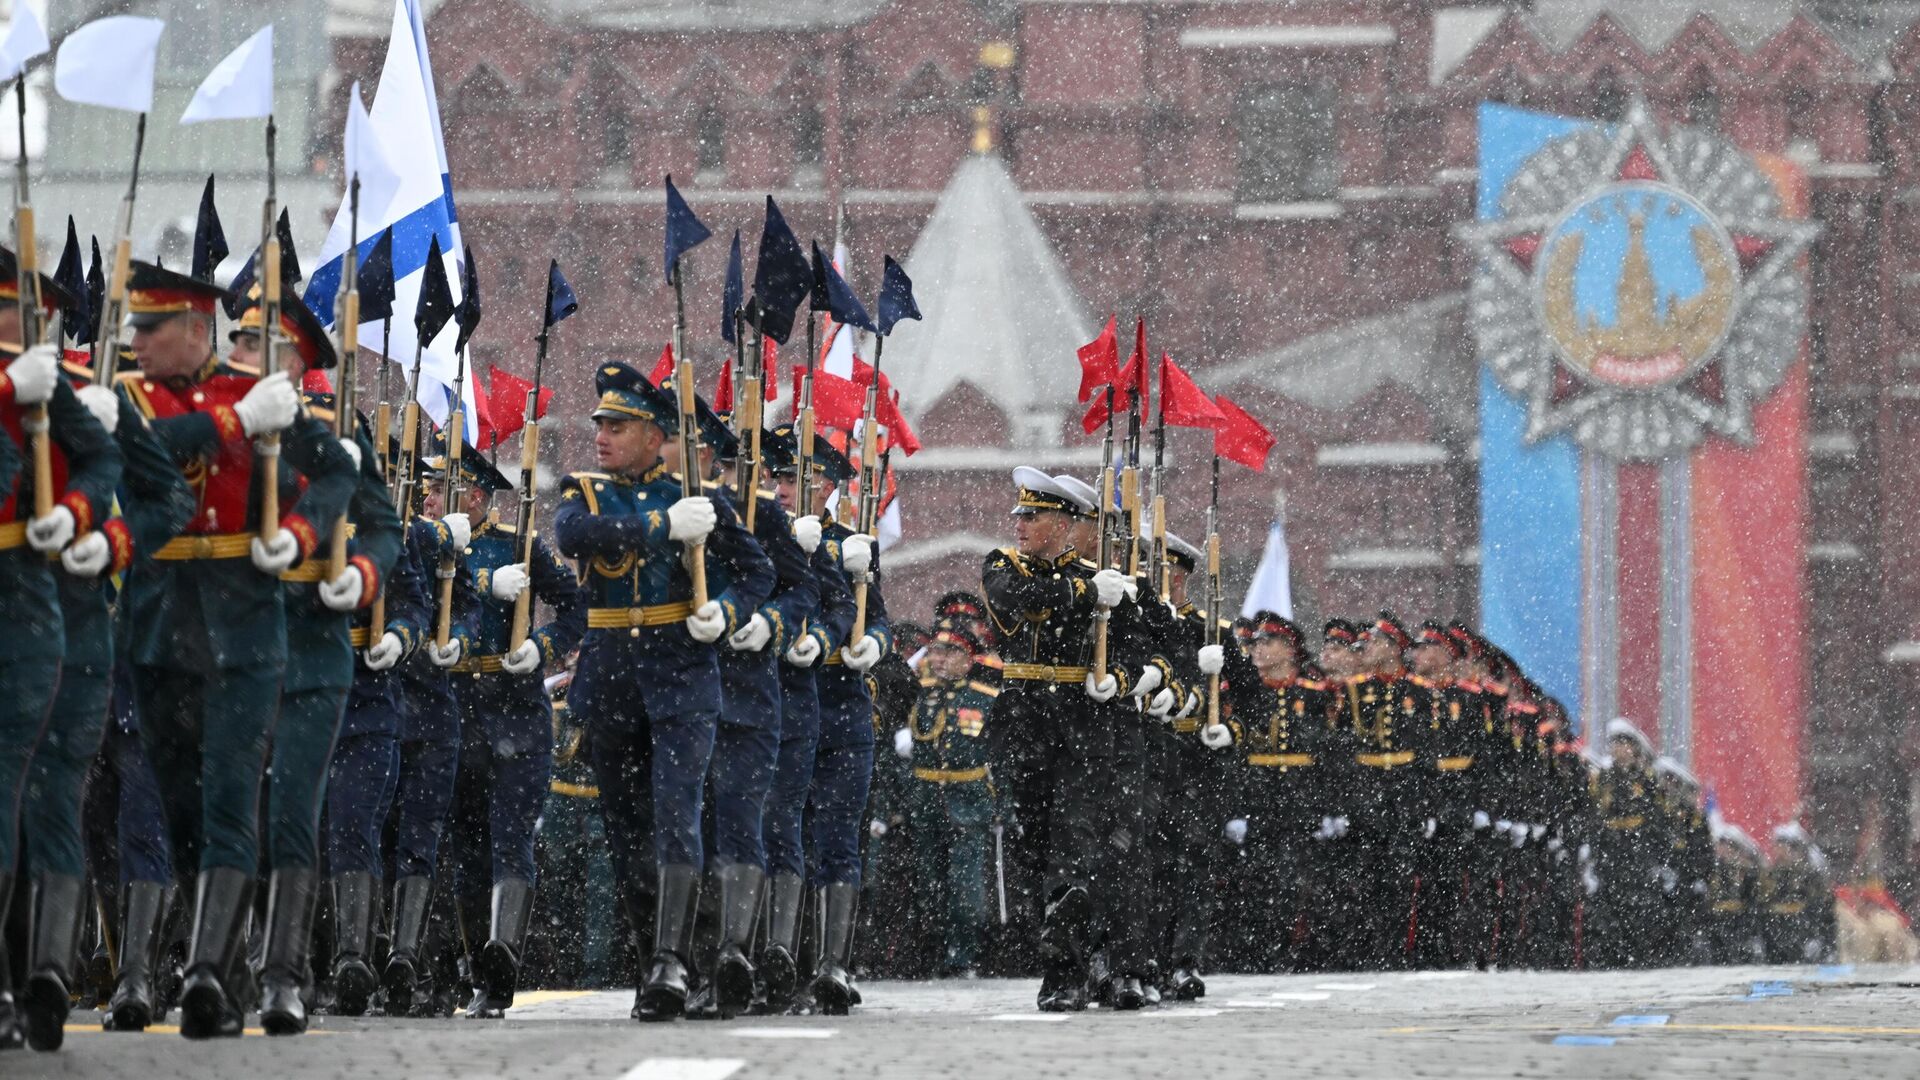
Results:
x,y
1040,492
1082,492
1666,766
1622,728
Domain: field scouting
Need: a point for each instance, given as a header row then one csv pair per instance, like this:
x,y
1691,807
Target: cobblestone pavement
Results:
x,y
1719,1022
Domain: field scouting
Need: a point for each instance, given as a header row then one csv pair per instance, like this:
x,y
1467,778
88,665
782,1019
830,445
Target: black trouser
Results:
x,y
1184,814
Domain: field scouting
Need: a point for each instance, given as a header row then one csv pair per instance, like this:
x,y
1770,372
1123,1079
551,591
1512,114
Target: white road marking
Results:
x,y
1417,976
1030,1018
1299,995
684,1069
1180,1013
1247,1003
1353,987
783,1033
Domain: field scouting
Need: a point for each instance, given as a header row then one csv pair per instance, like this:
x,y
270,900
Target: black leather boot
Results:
x,y
739,902
1063,950
1126,992
143,917
97,980
13,1032
283,975
778,969
353,979
48,997
833,982
496,968
402,976
663,996
221,899
1187,985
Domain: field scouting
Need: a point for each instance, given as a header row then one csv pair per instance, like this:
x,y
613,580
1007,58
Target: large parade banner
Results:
x,y
1640,313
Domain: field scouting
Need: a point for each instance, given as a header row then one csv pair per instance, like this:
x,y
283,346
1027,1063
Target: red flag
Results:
x,y
836,401
315,382
1182,403
1241,438
507,402
723,393
663,370
1100,360
897,427
770,366
1132,381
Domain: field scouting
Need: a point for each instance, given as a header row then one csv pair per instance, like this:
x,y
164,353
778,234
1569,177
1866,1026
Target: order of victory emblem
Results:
x,y
1640,289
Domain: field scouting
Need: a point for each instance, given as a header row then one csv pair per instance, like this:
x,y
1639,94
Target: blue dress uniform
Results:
x,y
506,751
842,773
209,631
429,739
314,692
87,466
154,505
364,774
784,819
647,692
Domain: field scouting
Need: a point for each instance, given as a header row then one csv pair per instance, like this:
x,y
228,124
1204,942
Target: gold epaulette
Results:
x,y
985,688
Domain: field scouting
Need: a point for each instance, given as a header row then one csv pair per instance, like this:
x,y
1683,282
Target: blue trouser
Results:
x,y
302,751
140,820
361,780
206,734
506,761
423,795
26,695
742,775
782,824
841,776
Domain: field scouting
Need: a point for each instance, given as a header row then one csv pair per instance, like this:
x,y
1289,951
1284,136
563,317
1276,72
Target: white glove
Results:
x,y
352,447
385,653
446,657
460,527
806,533
1481,822
1236,831
1519,838
1585,853
1110,585
1102,689
1162,704
1555,845
691,519
274,556
1325,831
1503,825
522,660
1216,736
752,637
1699,887
1429,828
1590,880
862,654
877,828
1212,659
103,403
804,652
1340,826
509,582
1148,682
343,592
903,743
1192,706
269,406
1538,831
87,556
856,554
33,374
707,624
53,532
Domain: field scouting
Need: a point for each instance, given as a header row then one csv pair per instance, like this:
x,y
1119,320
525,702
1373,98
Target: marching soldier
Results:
x,y
506,745
1626,857
647,682
1689,858
949,795
1385,708
209,632
313,697
825,632
86,467
1054,750
1737,869
1796,900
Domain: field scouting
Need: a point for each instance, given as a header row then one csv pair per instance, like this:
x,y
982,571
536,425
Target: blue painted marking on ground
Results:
x,y
1583,1040
1642,1020
1835,971
1769,990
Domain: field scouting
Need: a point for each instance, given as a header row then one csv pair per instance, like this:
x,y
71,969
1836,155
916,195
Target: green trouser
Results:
x,y
29,673
950,837
206,734
302,753
57,778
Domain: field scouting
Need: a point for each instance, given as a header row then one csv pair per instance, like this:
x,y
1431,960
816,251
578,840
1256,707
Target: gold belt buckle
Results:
x,y
635,617
203,547
1050,673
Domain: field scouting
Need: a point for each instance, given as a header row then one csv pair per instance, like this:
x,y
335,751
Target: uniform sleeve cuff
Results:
x,y
82,510
120,538
6,389
303,531
227,423
369,579
483,581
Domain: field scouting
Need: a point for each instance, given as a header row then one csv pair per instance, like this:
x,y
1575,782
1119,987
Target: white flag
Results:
x,y
368,159
1272,588
239,87
25,39
109,62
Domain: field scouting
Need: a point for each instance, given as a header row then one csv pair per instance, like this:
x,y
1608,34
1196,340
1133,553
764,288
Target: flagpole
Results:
x,y
26,245
864,521
347,317
1102,527
689,434
456,490
1160,568
529,466
803,492
106,334
746,411
1213,590
382,434
267,447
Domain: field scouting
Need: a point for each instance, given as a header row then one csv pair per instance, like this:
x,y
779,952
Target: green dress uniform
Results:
x,y
950,810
